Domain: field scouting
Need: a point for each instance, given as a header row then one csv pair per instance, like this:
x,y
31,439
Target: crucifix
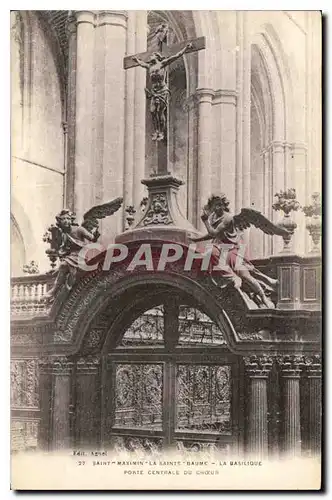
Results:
x,y
158,93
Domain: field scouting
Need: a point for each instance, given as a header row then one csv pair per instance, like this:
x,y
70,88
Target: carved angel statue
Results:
x,y
67,238
225,228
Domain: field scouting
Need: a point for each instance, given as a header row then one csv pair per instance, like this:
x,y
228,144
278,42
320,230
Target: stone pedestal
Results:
x,y
257,368
290,369
162,214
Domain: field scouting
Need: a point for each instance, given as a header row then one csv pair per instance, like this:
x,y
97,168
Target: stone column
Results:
x,y
191,107
290,369
204,149
267,197
243,77
257,369
87,402
313,373
113,25
84,164
129,160
71,114
139,112
62,382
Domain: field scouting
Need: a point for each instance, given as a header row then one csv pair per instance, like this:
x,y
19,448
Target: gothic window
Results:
x,y
17,248
174,383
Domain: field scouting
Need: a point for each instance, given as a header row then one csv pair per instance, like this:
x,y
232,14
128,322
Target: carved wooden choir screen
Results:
x,y
173,383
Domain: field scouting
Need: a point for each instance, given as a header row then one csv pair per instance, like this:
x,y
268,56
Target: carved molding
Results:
x,y
88,364
250,335
158,210
24,384
258,366
290,365
312,366
56,365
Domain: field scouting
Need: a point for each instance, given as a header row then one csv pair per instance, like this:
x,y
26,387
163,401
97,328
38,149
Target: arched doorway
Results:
x,y
169,380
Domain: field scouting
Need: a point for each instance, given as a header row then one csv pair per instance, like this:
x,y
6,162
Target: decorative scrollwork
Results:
x,y
24,383
258,365
158,211
203,398
139,395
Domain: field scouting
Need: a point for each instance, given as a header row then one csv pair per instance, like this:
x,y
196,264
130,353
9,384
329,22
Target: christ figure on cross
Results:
x,y
159,93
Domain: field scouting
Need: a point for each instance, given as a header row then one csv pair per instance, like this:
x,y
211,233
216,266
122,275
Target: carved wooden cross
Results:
x,y
158,92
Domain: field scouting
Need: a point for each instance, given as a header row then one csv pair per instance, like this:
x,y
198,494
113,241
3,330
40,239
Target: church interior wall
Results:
x,y
251,72
38,144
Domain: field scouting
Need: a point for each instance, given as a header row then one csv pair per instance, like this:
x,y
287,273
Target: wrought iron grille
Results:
x,y
138,398
203,398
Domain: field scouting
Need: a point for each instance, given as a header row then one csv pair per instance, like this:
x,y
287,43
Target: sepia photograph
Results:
x,y
165,227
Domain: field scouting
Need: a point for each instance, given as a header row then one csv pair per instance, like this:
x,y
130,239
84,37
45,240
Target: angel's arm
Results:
x,y
176,56
201,238
140,62
214,231
86,234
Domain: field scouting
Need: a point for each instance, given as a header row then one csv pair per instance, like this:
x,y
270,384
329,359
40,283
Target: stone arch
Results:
x,y
98,301
17,248
58,56
271,112
24,230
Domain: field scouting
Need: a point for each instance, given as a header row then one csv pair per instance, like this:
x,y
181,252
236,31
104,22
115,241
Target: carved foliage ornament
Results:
x,y
158,211
313,365
258,365
58,365
290,364
24,383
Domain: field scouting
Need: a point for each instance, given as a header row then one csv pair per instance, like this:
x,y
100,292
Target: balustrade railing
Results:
x,y
28,295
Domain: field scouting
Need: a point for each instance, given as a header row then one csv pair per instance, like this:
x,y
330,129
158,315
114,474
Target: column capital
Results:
x,y
112,18
258,366
204,95
312,366
85,16
87,365
56,365
290,365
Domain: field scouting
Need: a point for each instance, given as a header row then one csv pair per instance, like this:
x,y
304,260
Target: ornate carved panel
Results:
x,y
158,211
148,329
203,394
138,396
24,383
143,445
196,327
310,280
196,446
24,435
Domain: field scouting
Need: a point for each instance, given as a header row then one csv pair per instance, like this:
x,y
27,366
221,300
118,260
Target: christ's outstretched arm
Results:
x,y
173,58
140,62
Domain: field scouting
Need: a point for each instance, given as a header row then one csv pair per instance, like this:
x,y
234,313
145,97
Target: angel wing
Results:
x,y
249,216
91,217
